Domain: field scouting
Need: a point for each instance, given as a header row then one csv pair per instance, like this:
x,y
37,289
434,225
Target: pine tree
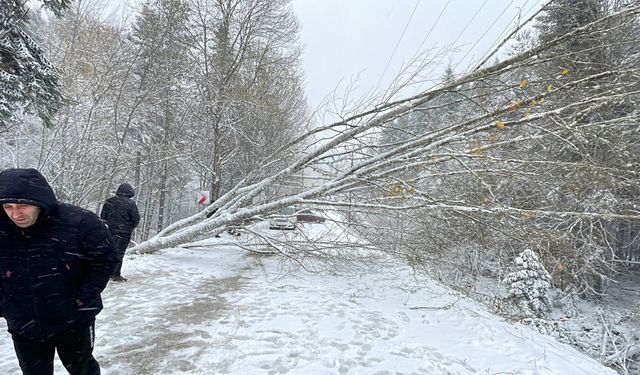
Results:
x,y
158,35
528,285
563,16
28,82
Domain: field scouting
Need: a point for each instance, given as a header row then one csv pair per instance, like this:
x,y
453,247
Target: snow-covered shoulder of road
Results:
x,y
220,311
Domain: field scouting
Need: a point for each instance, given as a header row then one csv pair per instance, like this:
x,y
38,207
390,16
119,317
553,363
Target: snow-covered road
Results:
x,y
216,311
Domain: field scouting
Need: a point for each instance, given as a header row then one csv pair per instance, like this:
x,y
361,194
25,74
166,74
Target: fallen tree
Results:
x,y
360,172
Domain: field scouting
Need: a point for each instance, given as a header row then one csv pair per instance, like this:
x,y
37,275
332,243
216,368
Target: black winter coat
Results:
x,y
120,212
52,273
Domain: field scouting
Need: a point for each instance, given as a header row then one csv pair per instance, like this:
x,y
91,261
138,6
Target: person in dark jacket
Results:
x,y
55,260
120,213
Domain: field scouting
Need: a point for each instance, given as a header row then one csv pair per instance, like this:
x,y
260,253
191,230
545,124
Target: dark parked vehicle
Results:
x,y
307,216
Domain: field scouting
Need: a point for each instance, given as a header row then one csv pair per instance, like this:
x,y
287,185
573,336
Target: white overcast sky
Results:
x,y
370,40
348,39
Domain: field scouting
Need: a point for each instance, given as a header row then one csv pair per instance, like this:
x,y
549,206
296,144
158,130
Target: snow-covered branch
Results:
x,y
353,156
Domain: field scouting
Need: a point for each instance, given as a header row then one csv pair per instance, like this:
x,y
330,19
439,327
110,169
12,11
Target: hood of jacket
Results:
x,y
26,186
125,190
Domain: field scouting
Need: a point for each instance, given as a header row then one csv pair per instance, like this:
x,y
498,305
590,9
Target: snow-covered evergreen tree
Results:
x,y
28,82
528,285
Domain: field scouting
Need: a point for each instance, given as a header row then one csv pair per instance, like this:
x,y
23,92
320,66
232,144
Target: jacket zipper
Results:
x,y
33,297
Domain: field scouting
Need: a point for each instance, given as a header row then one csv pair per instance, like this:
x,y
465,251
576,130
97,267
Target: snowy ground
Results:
x,y
218,311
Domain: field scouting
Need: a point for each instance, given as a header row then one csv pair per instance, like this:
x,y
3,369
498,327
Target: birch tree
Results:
x,y
483,169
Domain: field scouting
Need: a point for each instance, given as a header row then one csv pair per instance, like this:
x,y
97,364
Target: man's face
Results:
x,y
23,215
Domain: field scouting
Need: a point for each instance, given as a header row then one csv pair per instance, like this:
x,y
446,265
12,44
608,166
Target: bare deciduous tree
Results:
x,y
482,173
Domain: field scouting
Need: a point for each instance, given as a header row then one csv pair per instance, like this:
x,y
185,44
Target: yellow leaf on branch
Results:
x,y
549,87
523,83
561,267
564,72
500,124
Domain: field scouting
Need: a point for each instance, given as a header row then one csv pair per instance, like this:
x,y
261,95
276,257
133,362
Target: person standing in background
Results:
x,y
120,213
55,261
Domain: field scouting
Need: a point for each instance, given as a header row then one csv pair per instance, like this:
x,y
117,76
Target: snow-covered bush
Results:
x,y
528,286
548,327
567,301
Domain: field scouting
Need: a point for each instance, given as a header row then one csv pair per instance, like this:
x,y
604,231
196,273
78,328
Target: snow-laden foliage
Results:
x,y
576,151
529,286
609,335
28,81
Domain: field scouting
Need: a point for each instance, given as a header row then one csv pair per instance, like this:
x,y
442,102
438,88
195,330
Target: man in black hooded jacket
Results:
x,y
55,260
120,213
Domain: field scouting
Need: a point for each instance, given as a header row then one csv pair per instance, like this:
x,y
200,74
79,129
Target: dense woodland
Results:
x,y
188,96
531,155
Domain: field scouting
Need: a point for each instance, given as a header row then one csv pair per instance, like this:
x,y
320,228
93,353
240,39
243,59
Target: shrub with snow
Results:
x,y
529,285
